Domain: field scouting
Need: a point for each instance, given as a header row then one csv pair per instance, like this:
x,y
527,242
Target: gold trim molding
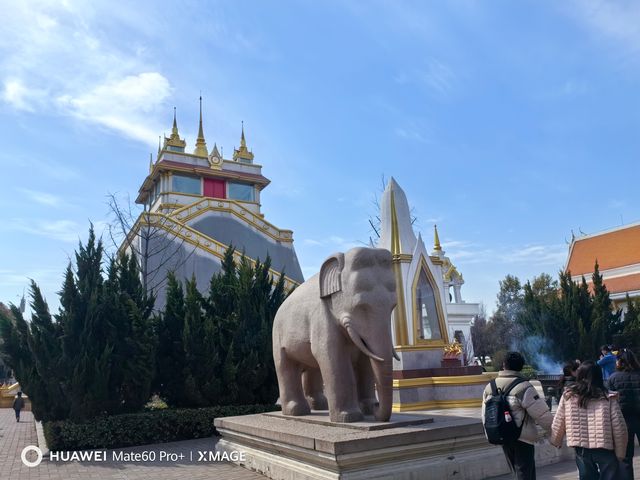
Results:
x,y
422,265
432,404
432,345
453,381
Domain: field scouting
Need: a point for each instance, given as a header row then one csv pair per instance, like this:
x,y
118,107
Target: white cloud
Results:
x,y
538,254
43,198
410,133
20,280
19,96
310,241
617,21
59,230
438,77
54,60
334,242
121,104
48,168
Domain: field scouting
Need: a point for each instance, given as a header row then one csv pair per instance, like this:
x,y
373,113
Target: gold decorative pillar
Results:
x,y
402,337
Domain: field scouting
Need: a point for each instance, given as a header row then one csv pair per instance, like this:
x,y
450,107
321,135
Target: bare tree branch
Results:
x,y
151,238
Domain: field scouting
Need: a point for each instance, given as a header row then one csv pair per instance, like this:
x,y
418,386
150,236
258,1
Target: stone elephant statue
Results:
x,y
335,329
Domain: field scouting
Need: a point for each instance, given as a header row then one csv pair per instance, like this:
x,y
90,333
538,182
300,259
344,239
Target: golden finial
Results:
x,y
453,350
150,162
174,139
215,152
201,144
436,239
174,129
243,153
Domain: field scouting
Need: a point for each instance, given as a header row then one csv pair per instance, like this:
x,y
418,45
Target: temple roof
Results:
x,y
612,249
623,284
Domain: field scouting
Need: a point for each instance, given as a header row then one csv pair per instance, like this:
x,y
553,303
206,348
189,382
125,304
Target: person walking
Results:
x,y
527,408
18,405
607,362
568,377
593,424
626,383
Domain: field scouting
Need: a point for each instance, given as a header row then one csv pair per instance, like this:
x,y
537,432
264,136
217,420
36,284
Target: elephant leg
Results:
x,y
366,385
339,382
312,385
290,383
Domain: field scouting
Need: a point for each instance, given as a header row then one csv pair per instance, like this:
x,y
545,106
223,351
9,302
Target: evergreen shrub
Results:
x,y
158,426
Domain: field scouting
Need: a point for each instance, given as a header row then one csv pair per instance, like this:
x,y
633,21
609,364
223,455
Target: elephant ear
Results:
x,y
330,275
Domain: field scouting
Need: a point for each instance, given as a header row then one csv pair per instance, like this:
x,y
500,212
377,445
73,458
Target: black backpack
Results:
x,y
496,409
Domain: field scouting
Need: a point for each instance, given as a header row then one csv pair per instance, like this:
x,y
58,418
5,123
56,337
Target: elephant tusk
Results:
x,y
355,338
395,354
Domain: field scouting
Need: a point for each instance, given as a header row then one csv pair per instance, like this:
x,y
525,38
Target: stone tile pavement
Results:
x,y
15,436
565,470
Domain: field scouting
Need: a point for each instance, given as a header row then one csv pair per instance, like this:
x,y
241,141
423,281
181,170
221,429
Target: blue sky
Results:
x,y
506,123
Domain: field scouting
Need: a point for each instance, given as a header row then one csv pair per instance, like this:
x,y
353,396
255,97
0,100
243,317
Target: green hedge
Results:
x,y
142,428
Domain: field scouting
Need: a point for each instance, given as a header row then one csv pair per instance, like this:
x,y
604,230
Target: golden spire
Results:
x,y
396,247
174,129
243,154
150,162
201,145
436,239
174,140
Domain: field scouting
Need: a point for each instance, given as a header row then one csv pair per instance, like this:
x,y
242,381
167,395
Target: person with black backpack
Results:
x,y
511,408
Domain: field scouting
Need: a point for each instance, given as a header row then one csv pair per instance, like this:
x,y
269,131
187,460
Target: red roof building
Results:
x,y
617,252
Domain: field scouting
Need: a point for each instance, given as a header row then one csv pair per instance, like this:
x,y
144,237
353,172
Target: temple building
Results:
x,y
617,252
198,204
430,314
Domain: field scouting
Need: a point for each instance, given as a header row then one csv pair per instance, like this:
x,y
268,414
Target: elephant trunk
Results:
x,y
357,339
382,367
382,372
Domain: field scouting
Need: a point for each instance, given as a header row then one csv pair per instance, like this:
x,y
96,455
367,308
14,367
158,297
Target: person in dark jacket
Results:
x,y
18,405
568,377
626,382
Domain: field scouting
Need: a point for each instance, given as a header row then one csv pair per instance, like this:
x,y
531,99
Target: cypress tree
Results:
x,y
193,335
137,350
17,354
46,349
94,357
171,355
604,322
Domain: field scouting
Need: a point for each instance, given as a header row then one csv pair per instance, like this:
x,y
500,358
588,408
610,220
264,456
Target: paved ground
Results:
x,y
15,436
565,471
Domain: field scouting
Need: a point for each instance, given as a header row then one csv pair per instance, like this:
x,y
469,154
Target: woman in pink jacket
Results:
x,y
593,424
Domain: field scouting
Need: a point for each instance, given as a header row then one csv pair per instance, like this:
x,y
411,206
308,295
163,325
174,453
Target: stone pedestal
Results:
x,y
423,380
420,446
450,362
